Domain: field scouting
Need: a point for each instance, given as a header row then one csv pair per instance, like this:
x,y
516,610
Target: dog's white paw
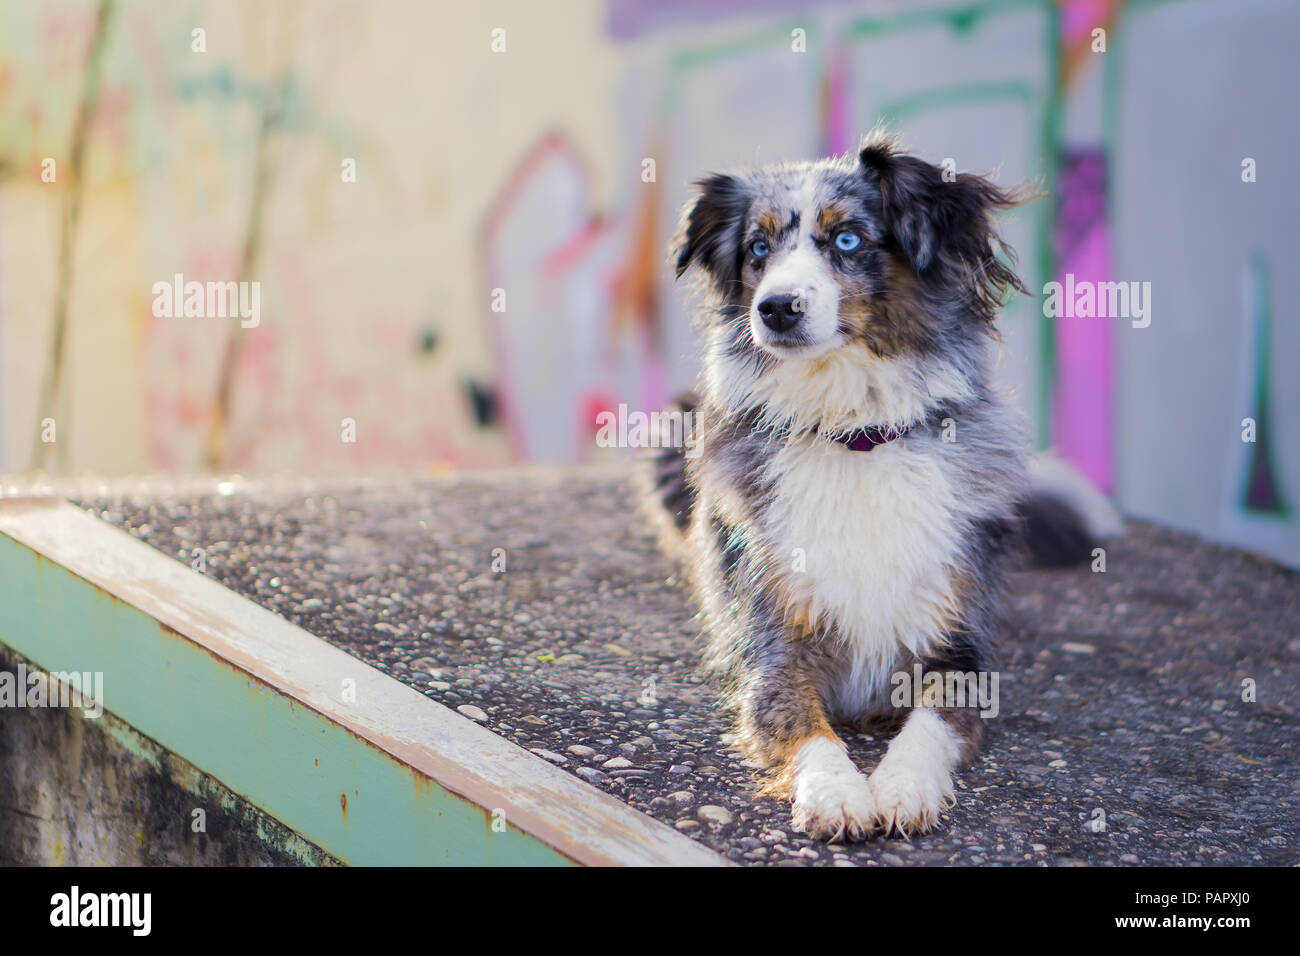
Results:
x,y
910,788
909,799
831,799
913,782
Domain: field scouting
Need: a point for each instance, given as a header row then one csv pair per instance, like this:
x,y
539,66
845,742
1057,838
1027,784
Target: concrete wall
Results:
x,y
522,170
83,791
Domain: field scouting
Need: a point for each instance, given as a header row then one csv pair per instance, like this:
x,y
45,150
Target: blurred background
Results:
x,y
458,217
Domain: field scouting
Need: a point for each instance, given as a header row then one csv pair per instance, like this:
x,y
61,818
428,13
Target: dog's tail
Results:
x,y
1064,517
673,498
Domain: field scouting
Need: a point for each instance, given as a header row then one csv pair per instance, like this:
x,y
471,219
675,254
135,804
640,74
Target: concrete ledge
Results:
x,y
353,761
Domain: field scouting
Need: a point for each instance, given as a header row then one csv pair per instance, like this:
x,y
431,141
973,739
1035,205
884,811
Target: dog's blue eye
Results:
x,y
759,248
847,241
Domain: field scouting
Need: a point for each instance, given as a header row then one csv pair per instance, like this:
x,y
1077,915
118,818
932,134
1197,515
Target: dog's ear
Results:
x,y
943,225
712,229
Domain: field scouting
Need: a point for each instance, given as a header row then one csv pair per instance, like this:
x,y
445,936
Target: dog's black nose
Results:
x,y
781,313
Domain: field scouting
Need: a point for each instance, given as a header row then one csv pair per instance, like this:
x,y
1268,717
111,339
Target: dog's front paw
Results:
x,y
834,806
830,798
909,797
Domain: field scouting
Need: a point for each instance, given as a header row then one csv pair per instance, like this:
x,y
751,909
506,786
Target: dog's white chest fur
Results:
x,y
871,538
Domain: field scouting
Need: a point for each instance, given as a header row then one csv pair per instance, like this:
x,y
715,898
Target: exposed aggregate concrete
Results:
x,y
1121,693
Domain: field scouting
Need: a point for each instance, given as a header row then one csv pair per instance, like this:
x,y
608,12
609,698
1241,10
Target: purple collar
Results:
x,y
865,439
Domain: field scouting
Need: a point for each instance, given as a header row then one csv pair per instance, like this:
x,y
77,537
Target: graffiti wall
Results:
x,y
342,156
489,272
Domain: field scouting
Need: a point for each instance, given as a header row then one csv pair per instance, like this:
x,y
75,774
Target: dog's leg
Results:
x,y
913,782
783,723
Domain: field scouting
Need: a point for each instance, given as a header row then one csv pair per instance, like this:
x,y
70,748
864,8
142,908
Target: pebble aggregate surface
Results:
x,y
536,604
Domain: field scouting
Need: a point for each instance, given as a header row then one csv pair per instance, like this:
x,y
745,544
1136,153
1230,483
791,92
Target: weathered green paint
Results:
x,y
89,790
336,790
961,19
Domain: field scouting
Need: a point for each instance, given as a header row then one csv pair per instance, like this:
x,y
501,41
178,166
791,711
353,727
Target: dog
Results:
x,y
857,486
